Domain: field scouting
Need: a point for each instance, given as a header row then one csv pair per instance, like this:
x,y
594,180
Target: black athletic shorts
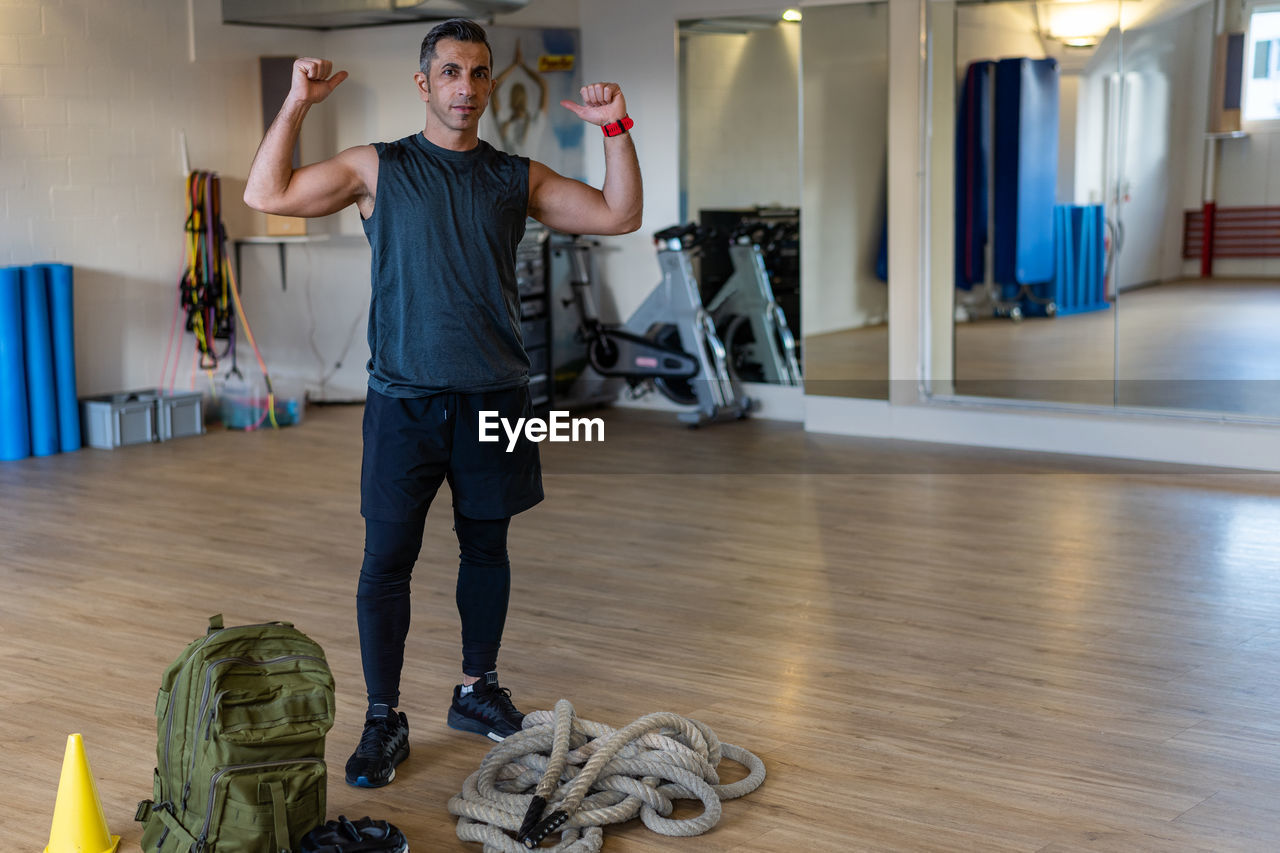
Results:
x,y
413,444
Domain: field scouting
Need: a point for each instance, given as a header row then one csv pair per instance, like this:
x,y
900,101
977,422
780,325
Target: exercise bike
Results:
x,y
670,342
748,318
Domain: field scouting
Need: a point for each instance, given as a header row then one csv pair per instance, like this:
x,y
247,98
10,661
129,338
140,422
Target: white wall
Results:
x,y
1249,169
1166,81
996,31
1095,134
1249,174
94,94
727,79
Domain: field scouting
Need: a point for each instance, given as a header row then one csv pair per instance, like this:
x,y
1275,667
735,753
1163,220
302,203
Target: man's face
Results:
x,y
459,83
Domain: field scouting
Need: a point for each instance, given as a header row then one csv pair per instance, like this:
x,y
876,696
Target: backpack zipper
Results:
x,y
177,682
204,704
203,838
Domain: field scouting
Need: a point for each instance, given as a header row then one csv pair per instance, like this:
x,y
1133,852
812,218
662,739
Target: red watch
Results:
x,y
619,127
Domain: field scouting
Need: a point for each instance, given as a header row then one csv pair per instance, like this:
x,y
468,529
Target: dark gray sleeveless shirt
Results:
x,y
445,312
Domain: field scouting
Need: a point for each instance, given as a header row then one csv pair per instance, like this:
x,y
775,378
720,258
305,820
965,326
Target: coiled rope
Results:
x,y
586,775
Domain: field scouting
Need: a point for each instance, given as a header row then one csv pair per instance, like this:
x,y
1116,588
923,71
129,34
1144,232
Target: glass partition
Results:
x,y
844,255
1025,110
1198,295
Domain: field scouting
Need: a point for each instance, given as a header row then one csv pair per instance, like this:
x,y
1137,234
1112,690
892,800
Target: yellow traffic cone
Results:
x,y
79,826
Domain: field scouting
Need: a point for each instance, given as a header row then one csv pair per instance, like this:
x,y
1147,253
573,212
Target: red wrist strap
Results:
x,y
619,127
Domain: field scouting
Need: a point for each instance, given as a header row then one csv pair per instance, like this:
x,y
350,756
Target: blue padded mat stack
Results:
x,y
973,153
1026,165
39,413
1006,179
1079,283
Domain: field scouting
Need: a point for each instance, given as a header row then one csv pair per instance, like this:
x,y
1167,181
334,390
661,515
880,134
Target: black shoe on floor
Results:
x,y
383,745
486,710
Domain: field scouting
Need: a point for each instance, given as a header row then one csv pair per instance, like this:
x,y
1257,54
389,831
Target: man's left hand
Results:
x,y
601,103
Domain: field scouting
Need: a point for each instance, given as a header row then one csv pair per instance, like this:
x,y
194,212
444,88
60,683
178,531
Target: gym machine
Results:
x,y
670,342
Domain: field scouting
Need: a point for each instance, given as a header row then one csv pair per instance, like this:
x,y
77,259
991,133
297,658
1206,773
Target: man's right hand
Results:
x,y
312,82
274,186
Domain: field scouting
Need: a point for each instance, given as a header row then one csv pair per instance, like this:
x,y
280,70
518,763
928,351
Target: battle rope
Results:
x,y
585,775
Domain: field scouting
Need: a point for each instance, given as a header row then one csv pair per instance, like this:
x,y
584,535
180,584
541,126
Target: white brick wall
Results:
x,y
93,96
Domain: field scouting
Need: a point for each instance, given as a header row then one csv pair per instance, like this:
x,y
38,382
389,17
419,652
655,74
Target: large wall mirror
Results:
x,y
760,96
1023,167
1084,159
1198,307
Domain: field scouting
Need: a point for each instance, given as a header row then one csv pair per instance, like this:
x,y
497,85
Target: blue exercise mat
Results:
x,y
1026,165
15,431
1079,268
973,153
42,404
62,322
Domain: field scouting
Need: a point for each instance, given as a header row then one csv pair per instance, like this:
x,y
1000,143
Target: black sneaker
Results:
x,y
486,710
383,745
365,835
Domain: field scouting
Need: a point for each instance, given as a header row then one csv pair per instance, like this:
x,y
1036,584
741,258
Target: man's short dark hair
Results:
x,y
458,29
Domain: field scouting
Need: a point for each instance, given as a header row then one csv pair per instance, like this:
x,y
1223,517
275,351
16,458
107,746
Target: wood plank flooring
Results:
x,y
932,648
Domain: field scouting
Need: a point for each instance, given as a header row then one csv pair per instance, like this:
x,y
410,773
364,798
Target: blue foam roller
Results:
x,y
62,320
1026,165
15,432
42,402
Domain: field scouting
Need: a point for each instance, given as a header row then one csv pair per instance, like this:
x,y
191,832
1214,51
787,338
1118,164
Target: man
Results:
x,y
444,212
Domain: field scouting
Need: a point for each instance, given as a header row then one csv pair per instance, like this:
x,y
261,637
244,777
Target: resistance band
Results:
x,y
208,292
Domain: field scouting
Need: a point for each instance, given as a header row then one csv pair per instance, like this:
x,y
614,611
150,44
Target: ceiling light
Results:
x,y
792,15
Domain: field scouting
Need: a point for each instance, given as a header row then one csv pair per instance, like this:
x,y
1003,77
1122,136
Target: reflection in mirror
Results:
x,y
845,84
1033,121
740,180
1198,296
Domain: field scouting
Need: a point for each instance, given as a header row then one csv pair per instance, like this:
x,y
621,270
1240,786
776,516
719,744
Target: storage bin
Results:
x,y
138,417
179,414
244,406
116,420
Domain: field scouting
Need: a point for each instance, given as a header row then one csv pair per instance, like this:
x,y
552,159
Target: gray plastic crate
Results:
x,y
116,420
179,414
139,417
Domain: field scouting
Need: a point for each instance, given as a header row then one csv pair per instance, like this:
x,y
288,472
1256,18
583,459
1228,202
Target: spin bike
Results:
x,y
670,342
750,321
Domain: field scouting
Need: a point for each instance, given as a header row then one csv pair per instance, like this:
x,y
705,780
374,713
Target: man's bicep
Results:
x,y
330,185
564,204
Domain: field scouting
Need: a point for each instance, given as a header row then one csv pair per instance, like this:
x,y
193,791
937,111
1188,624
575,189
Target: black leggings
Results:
x,y
382,600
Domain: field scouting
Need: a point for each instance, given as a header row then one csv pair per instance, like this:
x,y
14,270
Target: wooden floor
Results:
x,y
1187,344
932,648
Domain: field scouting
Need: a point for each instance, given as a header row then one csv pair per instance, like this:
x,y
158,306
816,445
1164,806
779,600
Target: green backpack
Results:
x,y
242,714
